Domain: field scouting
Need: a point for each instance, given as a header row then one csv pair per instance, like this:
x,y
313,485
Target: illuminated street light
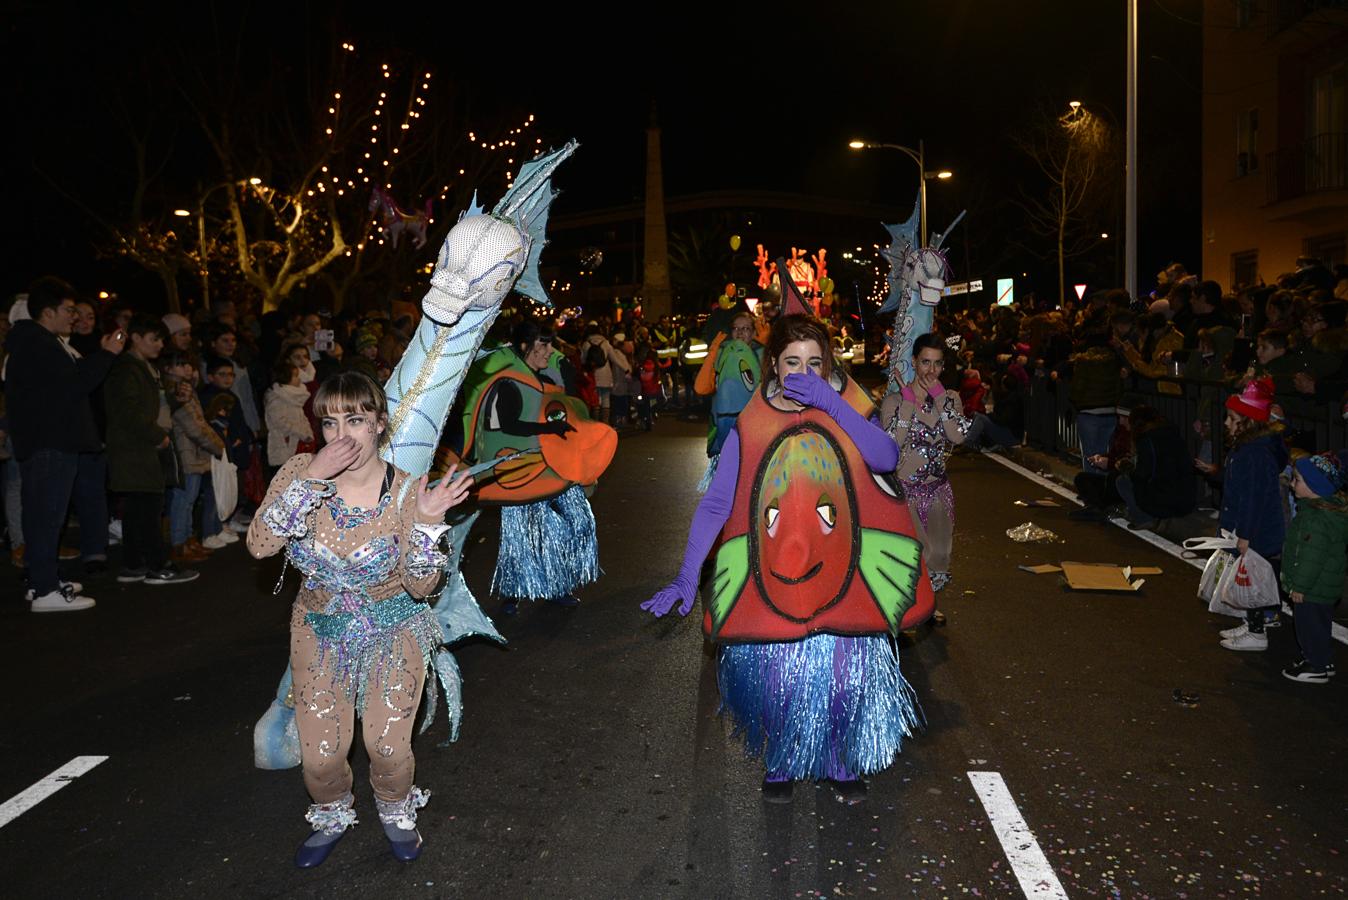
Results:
x,y
1075,104
182,213
255,181
1104,235
918,156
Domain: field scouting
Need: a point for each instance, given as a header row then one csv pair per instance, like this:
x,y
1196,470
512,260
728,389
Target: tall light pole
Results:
x,y
918,156
1130,170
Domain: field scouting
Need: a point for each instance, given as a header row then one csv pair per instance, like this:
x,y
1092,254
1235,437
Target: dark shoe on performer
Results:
x,y
330,821
777,791
850,792
399,818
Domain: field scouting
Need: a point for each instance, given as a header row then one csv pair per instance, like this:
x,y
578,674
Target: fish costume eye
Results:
x,y
828,514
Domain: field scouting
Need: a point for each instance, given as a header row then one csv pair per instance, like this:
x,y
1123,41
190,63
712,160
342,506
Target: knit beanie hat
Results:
x,y
1254,401
1323,473
175,323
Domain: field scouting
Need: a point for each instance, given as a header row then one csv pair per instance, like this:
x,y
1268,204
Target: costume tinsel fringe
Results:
x,y
708,475
548,548
823,707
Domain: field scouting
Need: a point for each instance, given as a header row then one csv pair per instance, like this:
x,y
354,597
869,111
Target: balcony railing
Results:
x,y
1319,164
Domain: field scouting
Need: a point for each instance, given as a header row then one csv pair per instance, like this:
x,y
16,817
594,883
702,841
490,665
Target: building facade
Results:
x,y
1275,137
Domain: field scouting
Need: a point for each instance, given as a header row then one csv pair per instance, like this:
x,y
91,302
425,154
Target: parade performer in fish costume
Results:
x,y
515,411
817,569
732,372
364,642
925,420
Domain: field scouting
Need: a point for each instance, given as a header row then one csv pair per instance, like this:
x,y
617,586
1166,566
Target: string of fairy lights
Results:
x,y
388,136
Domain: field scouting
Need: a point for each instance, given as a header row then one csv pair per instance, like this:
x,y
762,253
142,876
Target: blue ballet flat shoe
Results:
x,y
310,856
407,849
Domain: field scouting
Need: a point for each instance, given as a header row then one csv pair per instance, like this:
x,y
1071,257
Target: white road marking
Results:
x,y
1340,633
23,801
1155,540
1035,875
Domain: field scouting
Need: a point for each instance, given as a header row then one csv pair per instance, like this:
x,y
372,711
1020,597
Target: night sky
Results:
x,y
754,98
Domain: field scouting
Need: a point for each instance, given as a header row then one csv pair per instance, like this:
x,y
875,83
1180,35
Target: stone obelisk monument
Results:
x,y
656,296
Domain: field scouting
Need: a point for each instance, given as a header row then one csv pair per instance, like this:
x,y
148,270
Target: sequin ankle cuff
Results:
x,y
335,817
403,813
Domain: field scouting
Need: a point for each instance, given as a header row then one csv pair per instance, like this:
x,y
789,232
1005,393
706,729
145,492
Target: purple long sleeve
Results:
x,y
713,511
876,446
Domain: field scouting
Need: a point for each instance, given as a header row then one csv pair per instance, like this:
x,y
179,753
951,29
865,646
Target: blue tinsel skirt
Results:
x,y
548,548
823,707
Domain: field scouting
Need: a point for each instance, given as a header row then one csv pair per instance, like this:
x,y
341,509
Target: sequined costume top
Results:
x,y
350,557
925,434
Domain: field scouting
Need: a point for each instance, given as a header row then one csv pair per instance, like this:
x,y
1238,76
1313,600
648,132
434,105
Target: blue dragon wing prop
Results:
x,y
527,204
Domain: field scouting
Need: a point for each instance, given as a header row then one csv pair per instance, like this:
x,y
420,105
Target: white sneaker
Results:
x,y
60,601
236,527
1247,641
115,531
229,537
1229,633
217,541
70,587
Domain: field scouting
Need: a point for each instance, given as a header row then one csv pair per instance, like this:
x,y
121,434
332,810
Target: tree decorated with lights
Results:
x,y
294,202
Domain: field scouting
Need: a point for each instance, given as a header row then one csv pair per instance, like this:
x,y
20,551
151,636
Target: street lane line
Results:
x,y
1035,875
23,801
1340,633
1152,538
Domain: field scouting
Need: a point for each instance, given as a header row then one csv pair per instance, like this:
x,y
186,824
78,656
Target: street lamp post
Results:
x,y
918,156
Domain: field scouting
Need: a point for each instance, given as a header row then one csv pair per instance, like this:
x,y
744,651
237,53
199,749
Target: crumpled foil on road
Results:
x,y
1030,532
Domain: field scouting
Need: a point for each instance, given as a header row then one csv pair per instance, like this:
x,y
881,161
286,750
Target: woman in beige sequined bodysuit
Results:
x,y
361,635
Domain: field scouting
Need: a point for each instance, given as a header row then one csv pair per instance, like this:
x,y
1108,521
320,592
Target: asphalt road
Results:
x,y
592,762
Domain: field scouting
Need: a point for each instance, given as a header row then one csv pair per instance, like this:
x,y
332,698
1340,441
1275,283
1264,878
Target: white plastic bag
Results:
x,y
1220,570
1251,585
1227,541
225,483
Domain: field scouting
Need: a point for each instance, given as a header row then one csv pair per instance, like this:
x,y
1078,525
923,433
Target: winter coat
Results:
x,y
193,438
1095,379
1163,472
1325,354
287,425
132,397
1315,553
1169,342
1251,502
47,392
237,436
604,375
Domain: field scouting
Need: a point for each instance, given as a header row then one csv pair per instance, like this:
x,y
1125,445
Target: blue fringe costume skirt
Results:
x,y
823,707
548,548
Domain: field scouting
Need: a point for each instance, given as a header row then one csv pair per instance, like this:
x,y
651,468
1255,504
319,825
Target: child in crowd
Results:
x,y
1251,498
196,443
1313,562
649,376
288,428
225,415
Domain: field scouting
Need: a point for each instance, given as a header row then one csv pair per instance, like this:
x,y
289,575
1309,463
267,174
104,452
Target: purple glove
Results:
x,y
707,524
877,448
665,598
811,390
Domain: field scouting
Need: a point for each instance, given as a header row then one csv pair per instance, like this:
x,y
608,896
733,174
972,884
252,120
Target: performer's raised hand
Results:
x,y
434,502
335,458
809,389
665,598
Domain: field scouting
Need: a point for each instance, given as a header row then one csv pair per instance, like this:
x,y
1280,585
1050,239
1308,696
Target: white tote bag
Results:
x,y
1251,585
225,483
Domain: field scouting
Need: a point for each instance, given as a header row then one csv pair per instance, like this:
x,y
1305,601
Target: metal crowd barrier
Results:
x,y
1050,421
